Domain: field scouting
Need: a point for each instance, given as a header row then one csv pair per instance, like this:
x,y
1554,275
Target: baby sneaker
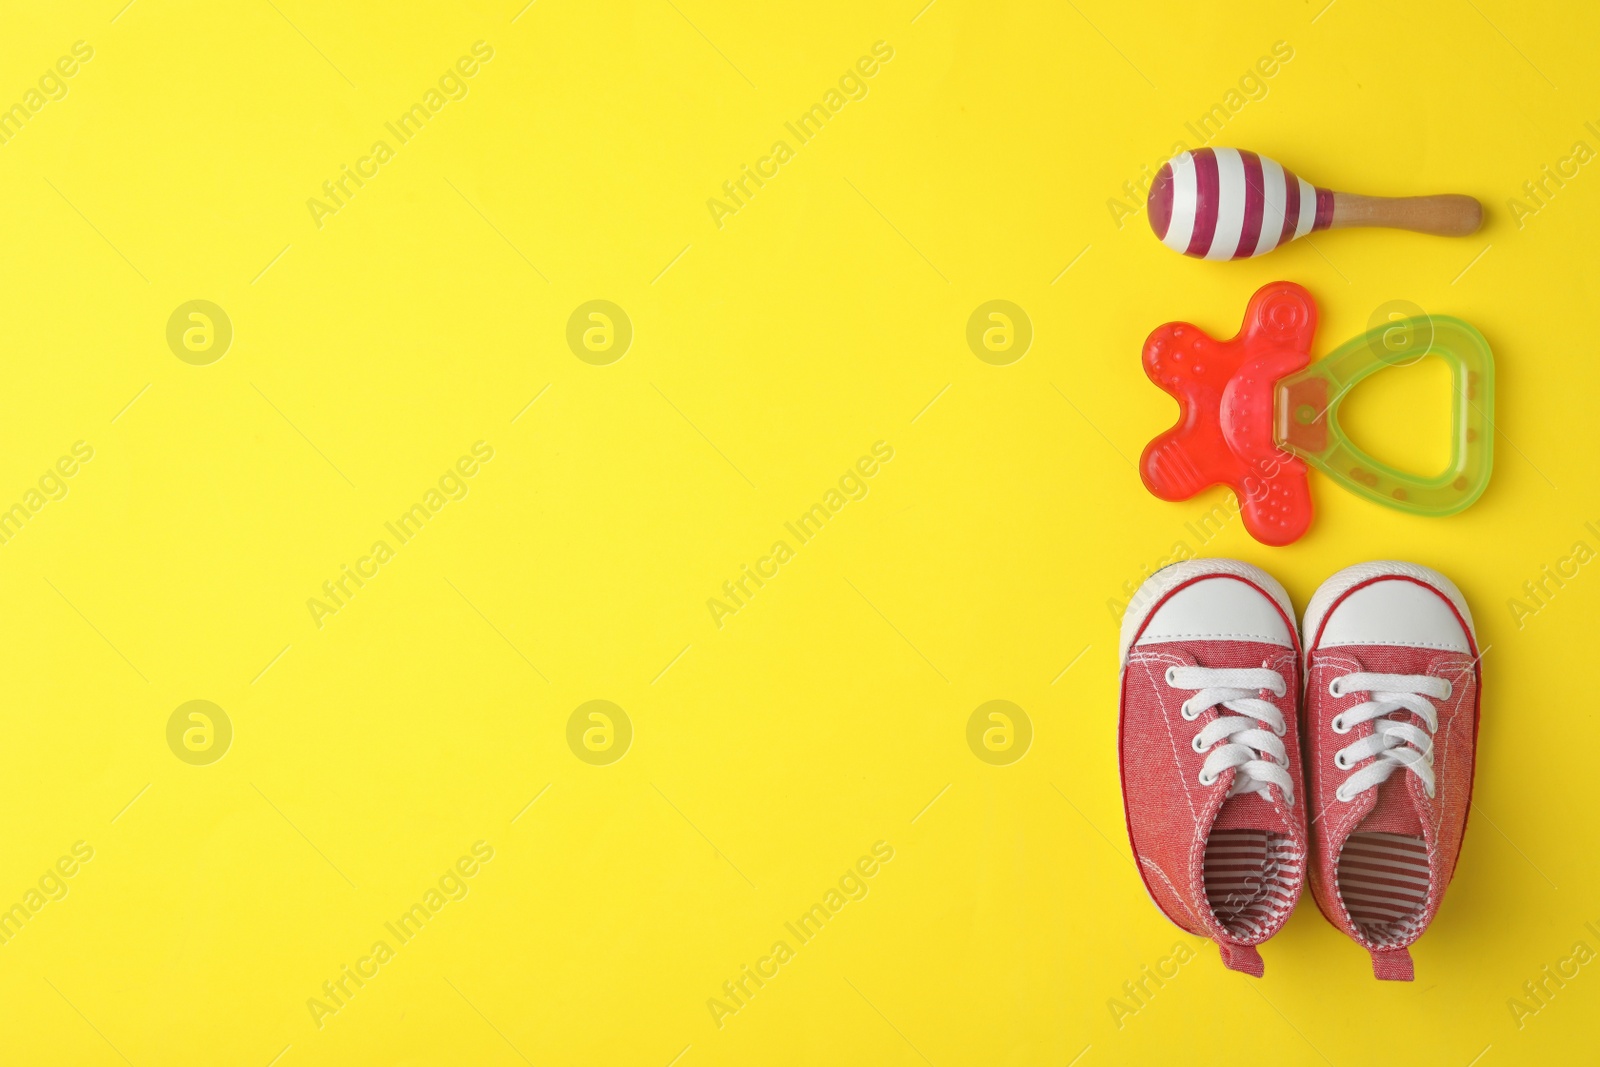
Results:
x,y
1391,726
1210,755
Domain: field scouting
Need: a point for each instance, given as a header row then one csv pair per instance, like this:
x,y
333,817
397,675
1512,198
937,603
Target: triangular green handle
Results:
x,y
1306,414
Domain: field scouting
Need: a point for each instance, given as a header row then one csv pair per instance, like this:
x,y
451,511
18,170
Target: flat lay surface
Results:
x,y
539,532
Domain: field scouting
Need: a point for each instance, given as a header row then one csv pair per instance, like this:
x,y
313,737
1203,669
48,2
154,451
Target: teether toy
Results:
x,y
1252,413
1221,203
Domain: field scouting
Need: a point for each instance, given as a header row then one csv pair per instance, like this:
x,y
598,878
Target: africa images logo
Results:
x,y
452,886
852,85
853,885
338,191
339,591
737,592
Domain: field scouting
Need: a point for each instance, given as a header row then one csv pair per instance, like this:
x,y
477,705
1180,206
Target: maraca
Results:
x,y
1222,203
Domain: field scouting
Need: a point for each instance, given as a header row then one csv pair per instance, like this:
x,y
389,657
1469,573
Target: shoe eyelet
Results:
x,y
1339,725
1189,714
1204,780
1196,744
1170,672
1334,690
1340,762
1341,796
1448,689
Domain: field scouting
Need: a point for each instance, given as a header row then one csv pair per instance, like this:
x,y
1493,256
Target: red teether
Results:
x,y
1225,392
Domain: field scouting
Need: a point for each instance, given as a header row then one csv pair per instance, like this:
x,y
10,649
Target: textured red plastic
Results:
x,y
1224,433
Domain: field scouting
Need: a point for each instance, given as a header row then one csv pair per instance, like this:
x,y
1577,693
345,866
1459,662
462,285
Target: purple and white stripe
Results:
x,y
1221,203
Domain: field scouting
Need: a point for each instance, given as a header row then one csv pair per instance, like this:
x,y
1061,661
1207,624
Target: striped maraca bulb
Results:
x,y
1222,203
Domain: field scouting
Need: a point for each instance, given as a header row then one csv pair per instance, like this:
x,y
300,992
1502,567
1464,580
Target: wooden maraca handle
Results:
x,y
1446,215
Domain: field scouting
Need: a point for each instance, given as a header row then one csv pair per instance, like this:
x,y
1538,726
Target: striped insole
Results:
x,y
1250,880
1383,880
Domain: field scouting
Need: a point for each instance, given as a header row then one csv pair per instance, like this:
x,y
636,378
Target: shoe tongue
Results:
x,y
1250,811
1396,811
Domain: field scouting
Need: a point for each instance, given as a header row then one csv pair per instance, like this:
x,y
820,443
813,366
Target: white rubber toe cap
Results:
x,y
1217,609
1209,600
1389,603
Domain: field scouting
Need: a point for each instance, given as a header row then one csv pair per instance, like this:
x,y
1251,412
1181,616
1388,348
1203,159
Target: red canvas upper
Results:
x,y
1171,816
1398,807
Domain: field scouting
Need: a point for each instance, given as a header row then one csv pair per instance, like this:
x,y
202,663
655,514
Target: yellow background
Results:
x,y
768,354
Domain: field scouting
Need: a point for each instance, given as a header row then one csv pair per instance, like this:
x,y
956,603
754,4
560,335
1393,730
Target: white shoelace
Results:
x,y
1396,744
1238,740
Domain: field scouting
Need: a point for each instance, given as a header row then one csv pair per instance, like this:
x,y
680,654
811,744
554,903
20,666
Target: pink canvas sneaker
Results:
x,y
1210,752
1391,726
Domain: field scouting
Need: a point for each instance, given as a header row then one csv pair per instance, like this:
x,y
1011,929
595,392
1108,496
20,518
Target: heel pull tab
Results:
x,y
1393,965
1241,958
